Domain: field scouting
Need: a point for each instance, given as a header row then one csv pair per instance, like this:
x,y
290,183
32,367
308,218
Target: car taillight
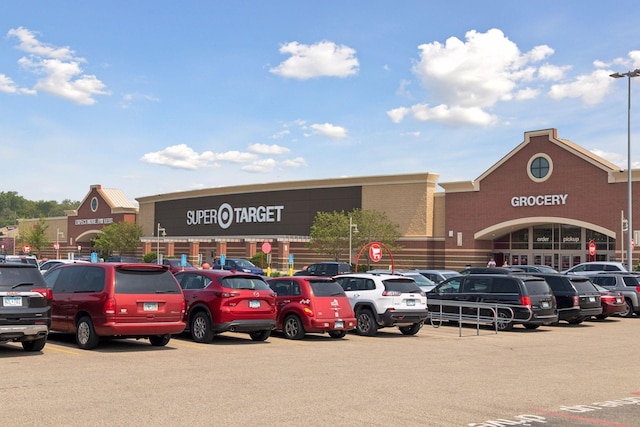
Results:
x,y
637,288
109,306
525,300
184,306
308,311
576,301
45,292
391,293
226,294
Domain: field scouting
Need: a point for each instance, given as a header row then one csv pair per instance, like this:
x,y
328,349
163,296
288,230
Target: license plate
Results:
x,y
150,306
411,302
545,304
254,303
592,299
339,324
12,301
618,299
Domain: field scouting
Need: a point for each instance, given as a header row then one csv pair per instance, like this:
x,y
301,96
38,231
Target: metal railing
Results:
x,y
480,314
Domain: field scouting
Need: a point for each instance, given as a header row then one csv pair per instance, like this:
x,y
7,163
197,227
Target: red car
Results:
x,y
108,299
612,302
312,304
226,301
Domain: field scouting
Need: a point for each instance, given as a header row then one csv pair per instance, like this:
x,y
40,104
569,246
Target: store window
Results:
x,y
543,237
540,167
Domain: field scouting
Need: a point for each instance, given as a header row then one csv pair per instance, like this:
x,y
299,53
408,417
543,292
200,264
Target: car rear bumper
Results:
x,y
244,326
325,325
22,332
403,317
139,329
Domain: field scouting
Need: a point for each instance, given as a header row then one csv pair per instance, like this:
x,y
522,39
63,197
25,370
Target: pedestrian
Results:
x,y
505,263
491,263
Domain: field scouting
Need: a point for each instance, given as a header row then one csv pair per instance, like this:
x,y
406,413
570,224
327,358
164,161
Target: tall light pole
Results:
x,y
353,228
629,75
164,233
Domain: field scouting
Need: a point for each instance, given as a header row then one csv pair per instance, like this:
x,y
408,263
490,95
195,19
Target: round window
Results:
x,y
540,167
94,204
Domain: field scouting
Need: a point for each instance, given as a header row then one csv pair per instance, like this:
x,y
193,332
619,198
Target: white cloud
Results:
x,y
260,166
323,59
280,134
62,75
590,88
294,163
469,77
329,130
552,72
7,85
129,98
268,149
182,156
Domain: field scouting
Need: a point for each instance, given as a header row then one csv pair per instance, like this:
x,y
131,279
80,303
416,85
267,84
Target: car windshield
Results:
x,y
327,289
145,281
402,285
11,278
600,288
537,287
244,282
583,285
243,263
421,280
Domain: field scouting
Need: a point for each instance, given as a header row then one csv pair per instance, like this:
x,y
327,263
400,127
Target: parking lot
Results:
x,y
567,375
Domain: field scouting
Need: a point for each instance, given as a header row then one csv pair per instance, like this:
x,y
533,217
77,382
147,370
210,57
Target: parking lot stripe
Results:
x,y
53,347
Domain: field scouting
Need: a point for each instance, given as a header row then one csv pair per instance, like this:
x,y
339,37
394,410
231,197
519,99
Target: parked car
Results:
x,y
613,303
576,297
312,304
489,270
227,301
596,266
530,298
95,300
25,259
121,258
175,265
238,264
533,268
325,268
437,276
380,301
52,263
424,283
25,312
626,282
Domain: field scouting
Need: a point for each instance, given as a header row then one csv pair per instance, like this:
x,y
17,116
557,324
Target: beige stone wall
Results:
x,y
408,204
438,213
146,218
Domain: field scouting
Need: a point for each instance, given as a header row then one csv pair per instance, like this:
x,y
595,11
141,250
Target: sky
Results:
x,y
155,97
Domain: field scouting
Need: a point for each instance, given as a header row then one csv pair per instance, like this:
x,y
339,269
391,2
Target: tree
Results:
x,y
330,231
119,237
36,237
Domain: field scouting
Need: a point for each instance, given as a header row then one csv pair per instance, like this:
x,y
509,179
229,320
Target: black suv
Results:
x,y
25,306
325,268
576,297
529,297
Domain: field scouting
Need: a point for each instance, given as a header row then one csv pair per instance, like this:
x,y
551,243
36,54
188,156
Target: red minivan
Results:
x,y
93,300
312,304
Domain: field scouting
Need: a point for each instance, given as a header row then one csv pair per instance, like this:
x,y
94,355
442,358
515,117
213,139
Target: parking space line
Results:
x,y
60,349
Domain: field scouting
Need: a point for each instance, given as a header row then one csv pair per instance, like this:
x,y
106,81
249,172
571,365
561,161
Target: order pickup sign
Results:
x,y
375,252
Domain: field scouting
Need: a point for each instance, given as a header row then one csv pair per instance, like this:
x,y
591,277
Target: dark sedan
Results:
x,y
612,302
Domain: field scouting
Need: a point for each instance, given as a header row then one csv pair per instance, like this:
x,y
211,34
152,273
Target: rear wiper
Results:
x,y
22,284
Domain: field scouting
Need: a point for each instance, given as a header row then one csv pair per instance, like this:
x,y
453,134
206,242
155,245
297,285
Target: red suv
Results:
x,y
226,301
115,300
312,304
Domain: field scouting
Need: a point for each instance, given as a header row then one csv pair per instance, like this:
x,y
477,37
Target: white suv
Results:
x,y
383,300
596,266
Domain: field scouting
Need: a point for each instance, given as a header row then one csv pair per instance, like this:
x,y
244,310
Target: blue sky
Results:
x,y
153,97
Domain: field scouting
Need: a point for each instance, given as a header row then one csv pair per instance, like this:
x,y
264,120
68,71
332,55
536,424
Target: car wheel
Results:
x,y
629,307
260,335
34,345
201,327
85,334
504,322
160,340
531,326
410,330
292,327
337,334
366,323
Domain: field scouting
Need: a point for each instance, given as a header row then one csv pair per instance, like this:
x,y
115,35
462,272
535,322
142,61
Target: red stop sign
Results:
x,y
592,248
26,249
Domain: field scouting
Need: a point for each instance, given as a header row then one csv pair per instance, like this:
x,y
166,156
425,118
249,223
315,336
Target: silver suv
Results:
x,y
625,282
384,300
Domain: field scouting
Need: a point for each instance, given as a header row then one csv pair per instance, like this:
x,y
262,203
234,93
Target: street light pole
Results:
x,y
164,233
629,75
353,228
